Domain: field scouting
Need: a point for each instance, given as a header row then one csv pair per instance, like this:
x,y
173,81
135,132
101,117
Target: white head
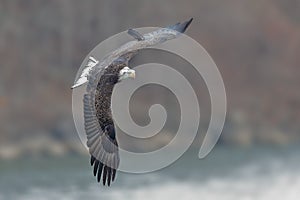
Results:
x,y
125,73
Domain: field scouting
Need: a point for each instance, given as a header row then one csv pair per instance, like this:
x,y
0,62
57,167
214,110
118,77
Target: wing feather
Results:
x,y
102,148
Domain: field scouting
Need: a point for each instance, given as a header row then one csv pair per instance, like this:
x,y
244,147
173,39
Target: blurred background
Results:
x,y
255,45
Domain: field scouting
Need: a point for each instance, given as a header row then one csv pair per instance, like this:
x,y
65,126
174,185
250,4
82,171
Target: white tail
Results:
x,y
92,62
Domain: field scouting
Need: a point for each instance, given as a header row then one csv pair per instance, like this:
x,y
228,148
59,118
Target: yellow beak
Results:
x,y
132,74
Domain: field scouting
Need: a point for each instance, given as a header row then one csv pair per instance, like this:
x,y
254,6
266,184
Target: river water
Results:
x,y
227,173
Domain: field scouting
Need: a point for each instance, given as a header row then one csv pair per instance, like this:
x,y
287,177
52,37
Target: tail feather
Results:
x,y
92,62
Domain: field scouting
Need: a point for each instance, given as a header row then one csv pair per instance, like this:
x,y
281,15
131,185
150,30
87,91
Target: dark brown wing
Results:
x,y
102,143
99,125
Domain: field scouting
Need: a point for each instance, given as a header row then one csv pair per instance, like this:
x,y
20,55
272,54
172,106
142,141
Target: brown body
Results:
x,y
103,94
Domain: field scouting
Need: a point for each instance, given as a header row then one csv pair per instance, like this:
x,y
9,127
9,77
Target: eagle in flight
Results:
x,y
101,76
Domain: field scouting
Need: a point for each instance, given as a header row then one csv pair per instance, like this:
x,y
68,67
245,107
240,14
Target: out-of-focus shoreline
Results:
x,y
46,147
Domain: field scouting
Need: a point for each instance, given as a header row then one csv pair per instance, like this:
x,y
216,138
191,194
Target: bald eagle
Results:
x,y
101,77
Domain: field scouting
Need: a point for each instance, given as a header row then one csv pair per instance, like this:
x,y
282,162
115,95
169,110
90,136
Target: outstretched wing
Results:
x,y
141,41
102,143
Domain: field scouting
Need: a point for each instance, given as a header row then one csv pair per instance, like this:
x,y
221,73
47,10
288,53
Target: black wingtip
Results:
x,y
181,27
96,167
188,23
92,160
104,175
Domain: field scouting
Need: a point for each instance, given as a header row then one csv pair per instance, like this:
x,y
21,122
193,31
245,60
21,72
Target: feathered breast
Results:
x,y
103,94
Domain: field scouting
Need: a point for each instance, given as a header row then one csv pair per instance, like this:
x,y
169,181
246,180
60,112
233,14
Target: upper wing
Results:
x,y
142,41
102,144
